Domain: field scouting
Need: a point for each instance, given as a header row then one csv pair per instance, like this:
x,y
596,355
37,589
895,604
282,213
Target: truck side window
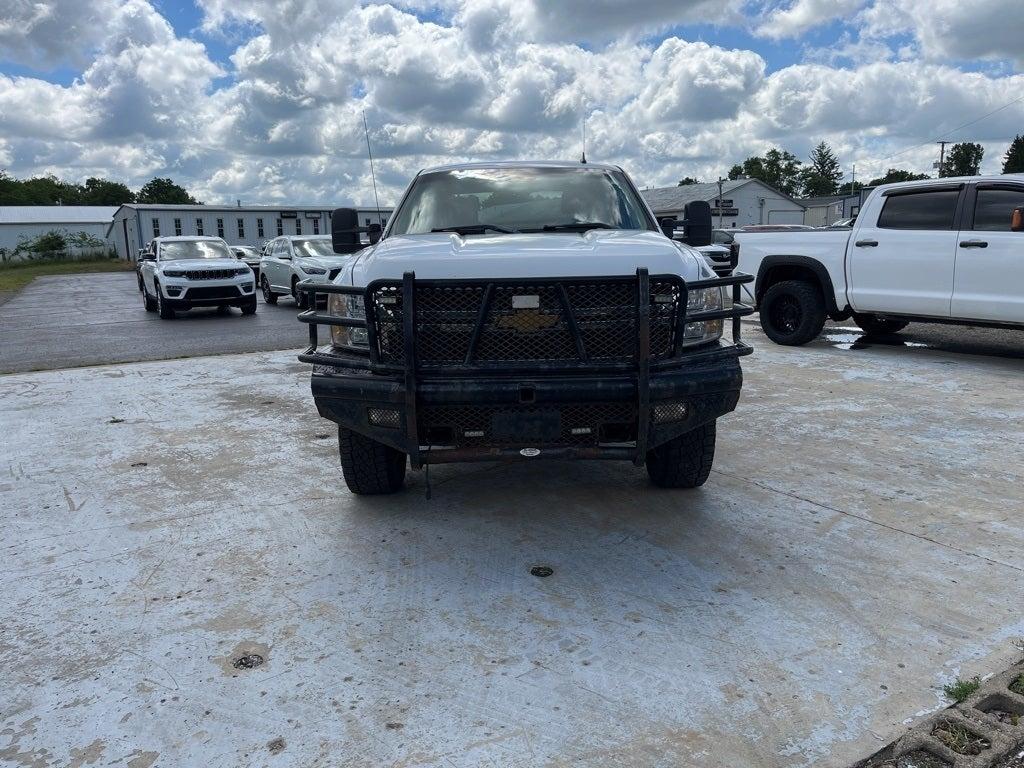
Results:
x,y
994,207
932,209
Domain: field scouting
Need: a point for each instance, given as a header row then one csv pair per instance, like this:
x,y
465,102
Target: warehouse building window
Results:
x,y
177,227
199,226
316,226
298,226
220,227
280,227
241,229
259,228
156,227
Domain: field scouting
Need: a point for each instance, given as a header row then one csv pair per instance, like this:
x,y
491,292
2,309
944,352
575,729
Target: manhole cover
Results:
x,y
251,661
541,571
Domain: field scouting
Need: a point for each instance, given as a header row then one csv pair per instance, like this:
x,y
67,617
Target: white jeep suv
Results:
x,y
291,259
179,273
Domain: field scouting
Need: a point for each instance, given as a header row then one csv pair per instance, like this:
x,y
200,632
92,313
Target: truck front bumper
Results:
x,y
495,418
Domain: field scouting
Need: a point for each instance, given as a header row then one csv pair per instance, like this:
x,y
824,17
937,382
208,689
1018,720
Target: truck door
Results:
x,y
903,261
989,283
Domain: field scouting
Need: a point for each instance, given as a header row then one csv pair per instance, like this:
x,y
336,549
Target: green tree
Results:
x,y
964,159
687,181
1013,160
105,192
165,192
49,190
823,175
894,175
778,168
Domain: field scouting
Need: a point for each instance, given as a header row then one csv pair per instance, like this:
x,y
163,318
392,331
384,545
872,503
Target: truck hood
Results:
x,y
562,254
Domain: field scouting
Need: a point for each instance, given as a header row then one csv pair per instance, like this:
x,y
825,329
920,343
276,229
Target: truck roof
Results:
x,y
522,164
1017,177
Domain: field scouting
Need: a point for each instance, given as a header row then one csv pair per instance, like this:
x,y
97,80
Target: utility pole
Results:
x,y
942,155
719,202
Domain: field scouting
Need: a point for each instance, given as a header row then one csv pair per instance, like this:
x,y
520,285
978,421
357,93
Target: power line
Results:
x,y
954,130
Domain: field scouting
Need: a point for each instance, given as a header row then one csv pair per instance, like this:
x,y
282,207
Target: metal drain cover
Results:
x,y
541,571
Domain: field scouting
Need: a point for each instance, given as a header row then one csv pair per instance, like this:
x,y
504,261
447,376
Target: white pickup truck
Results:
x,y
524,310
941,251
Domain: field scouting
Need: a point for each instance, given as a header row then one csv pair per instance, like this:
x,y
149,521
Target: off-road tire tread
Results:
x,y
812,304
684,461
369,467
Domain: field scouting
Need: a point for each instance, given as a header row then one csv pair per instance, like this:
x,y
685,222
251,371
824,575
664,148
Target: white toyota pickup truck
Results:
x,y
941,251
524,310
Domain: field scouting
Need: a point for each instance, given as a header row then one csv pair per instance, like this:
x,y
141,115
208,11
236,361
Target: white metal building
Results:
x,y
136,224
18,222
743,202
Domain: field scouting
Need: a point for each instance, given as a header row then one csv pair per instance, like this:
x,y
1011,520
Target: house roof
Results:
x,y
56,214
676,198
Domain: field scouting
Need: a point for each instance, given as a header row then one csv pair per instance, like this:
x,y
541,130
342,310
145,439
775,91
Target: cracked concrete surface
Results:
x,y
857,547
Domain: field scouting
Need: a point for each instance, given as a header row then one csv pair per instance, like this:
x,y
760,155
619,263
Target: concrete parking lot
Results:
x,y
857,546
88,319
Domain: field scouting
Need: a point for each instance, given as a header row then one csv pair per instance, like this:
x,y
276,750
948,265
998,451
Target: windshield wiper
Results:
x,y
474,229
576,226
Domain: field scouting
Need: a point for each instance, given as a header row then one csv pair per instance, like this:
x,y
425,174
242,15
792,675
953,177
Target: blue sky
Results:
x,y
262,99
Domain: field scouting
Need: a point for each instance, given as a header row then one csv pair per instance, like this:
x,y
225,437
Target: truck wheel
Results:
x,y
369,467
166,313
792,312
268,295
148,301
249,308
873,325
301,297
684,461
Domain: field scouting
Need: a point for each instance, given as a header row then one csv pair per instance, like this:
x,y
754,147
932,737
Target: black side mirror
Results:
x,y
374,232
668,226
345,230
1017,220
697,224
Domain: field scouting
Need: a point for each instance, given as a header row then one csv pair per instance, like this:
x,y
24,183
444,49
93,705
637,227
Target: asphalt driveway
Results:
x,y
90,319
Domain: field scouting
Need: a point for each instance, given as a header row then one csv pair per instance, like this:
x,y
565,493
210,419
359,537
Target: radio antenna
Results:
x,y
373,178
583,159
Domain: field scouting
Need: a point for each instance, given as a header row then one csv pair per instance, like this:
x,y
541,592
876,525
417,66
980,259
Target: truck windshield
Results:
x,y
510,199
313,248
194,249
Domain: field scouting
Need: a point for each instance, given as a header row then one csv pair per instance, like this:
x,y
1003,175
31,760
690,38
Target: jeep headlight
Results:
x,y
351,307
313,270
703,331
243,271
173,273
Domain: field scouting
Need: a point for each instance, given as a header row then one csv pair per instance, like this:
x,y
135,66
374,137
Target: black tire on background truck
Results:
x,y
684,461
792,312
369,467
268,295
878,326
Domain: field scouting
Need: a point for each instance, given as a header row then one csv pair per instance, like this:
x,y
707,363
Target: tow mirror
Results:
x,y
373,232
668,226
1017,220
697,224
345,230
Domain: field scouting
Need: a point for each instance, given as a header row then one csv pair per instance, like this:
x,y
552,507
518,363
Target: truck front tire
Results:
x,y
873,325
792,312
166,312
369,467
684,461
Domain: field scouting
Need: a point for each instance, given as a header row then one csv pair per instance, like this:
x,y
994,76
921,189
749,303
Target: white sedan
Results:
x,y
291,259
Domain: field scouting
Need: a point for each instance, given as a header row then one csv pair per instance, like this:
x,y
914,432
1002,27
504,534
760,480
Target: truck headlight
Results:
x,y
345,305
313,270
703,331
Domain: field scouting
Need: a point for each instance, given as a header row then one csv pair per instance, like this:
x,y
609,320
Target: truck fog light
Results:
x,y
581,430
384,417
172,291
665,413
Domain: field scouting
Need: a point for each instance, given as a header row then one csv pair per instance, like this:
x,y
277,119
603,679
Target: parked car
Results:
x,y
525,310
181,273
293,258
943,250
250,256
